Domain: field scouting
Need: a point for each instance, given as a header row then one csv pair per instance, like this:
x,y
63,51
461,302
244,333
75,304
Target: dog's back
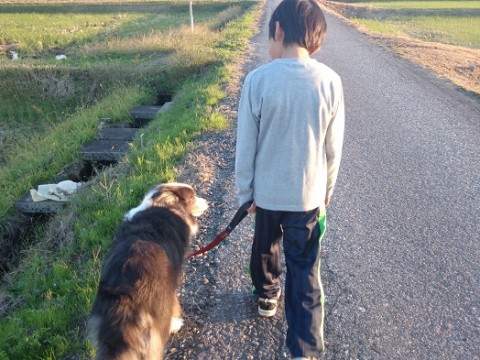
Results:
x,y
136,302
133,309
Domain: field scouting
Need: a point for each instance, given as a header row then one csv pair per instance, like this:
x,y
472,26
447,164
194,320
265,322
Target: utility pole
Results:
x,y
191,15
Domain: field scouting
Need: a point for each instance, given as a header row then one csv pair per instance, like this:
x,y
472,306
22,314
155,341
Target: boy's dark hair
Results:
x,y
302,22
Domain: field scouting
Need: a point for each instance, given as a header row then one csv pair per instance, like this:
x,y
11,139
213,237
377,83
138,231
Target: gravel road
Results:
x,y
400,259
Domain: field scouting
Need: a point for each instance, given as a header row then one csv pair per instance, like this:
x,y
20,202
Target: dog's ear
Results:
x,y
194,205
171,194
184,192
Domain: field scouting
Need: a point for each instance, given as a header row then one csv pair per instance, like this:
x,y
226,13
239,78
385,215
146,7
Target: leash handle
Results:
x,y
239,216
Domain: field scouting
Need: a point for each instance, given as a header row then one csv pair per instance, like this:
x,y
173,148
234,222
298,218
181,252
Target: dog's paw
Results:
x,y
176,324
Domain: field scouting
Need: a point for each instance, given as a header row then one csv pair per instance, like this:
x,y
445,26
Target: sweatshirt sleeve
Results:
x,y
246,147
334,139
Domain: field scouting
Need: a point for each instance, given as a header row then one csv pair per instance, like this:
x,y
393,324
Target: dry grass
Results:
x,y
458,64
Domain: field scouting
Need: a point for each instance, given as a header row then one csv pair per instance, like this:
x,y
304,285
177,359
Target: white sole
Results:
x,y
267,313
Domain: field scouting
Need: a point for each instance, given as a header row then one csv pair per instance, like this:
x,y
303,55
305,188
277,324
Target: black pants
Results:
x,y
302,233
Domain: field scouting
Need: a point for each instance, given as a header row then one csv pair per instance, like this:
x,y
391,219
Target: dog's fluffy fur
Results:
x,y
136,307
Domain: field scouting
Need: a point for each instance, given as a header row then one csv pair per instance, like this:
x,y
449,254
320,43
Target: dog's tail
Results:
x,y
122,331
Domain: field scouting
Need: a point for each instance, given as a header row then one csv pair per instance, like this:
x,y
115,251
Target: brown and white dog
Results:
x,y
136,307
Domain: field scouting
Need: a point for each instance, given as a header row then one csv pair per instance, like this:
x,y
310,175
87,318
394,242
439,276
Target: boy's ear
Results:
x,y
278,32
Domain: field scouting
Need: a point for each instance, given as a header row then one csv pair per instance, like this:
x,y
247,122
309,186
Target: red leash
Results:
x,y
239,216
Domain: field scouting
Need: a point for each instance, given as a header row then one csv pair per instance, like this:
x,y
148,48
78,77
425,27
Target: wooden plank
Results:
x,y
104,150
117,134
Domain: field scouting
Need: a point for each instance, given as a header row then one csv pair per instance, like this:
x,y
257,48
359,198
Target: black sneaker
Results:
x,y
268,307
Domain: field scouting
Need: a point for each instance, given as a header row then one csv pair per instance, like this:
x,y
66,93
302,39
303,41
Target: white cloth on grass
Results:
x,y
56,192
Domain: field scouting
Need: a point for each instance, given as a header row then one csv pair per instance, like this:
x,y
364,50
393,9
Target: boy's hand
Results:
x,y
251,210
327,201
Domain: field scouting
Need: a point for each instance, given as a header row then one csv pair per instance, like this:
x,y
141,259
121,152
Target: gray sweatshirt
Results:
x,y
291,120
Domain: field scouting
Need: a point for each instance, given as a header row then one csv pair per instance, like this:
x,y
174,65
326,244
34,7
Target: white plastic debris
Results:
x,y
60,57
56,192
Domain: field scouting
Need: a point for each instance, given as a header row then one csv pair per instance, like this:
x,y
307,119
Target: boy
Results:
x,y
289,144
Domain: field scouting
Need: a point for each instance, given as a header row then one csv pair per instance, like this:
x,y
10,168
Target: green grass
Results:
x,y
421,4
40,97
46,156
33,28
106,45
447,30
34,32
45,301
449,22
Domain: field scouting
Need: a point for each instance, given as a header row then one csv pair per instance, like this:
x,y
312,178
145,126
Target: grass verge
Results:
x,y
46,300
443,29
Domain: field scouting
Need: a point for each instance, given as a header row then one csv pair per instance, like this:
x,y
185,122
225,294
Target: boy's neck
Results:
x,y
295,52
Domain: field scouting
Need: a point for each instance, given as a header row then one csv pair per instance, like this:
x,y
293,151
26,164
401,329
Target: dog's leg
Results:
x,y
177,320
